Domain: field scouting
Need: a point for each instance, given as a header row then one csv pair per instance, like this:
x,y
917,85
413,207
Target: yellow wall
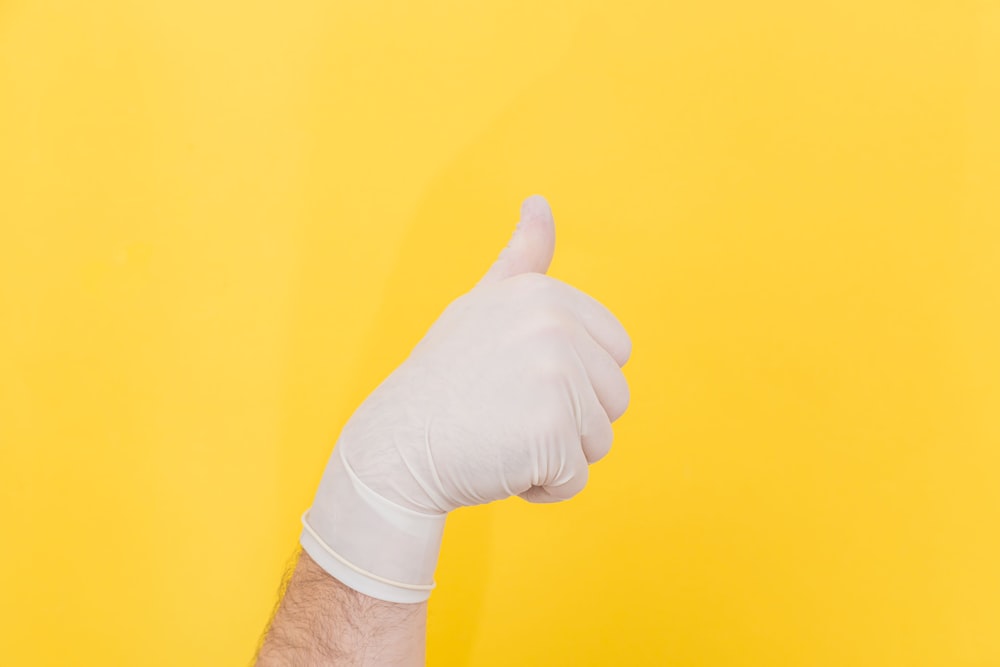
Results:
x,y
222,223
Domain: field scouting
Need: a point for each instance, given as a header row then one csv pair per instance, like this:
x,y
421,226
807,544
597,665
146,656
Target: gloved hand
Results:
x,y
512,391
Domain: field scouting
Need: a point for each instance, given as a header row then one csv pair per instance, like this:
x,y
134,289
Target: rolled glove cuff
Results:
x,y
370,544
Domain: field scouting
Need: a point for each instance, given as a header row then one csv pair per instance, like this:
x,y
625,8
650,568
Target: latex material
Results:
x,y
512,391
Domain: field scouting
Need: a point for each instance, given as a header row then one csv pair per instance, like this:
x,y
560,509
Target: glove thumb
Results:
x,y
531,247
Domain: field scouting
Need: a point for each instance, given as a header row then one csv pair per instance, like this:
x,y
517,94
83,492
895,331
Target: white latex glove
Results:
x,y
512,391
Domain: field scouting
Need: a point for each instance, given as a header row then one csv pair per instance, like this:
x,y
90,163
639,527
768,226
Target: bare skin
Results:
x,y
320,621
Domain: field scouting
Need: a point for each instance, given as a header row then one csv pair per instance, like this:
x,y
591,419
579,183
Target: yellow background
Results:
x,y
222,223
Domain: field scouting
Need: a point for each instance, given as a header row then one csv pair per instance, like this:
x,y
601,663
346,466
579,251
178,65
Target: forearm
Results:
x,y
320,621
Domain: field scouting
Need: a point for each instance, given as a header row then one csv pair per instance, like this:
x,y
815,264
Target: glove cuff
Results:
x,y
369,543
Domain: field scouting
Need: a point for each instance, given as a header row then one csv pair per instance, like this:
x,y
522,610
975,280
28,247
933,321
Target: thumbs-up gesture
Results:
x,y
512,391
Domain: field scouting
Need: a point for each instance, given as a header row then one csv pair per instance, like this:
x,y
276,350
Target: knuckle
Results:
x,y
622,401
626,348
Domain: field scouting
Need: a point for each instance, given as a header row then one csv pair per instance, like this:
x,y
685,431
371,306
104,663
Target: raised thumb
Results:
x,y
531,247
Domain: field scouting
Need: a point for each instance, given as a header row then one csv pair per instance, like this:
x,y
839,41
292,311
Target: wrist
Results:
x,y
371,544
